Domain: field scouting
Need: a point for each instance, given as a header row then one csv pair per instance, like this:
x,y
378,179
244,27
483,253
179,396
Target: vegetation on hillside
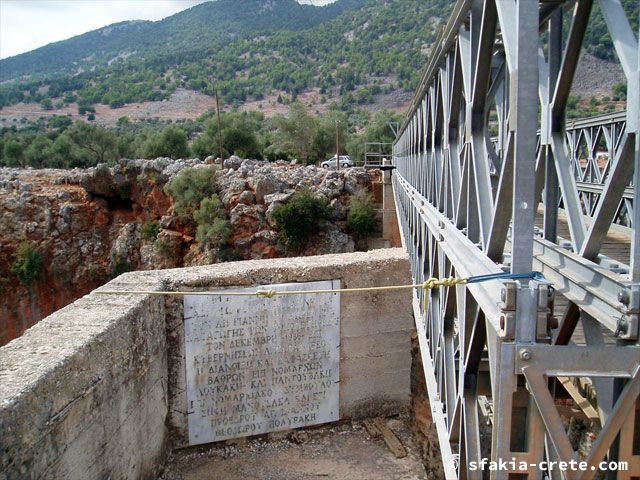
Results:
x,y
357,54
209,25
353,50
597,39
298,135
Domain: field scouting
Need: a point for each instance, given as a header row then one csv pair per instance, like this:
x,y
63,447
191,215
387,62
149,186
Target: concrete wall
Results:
x,y
375,328
83,393
96,390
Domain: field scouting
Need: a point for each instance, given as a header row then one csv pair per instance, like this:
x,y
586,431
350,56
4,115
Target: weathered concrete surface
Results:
x,y
89,392
339,452
83,393
375,328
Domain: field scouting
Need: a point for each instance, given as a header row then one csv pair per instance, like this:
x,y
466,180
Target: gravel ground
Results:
x,y
338,452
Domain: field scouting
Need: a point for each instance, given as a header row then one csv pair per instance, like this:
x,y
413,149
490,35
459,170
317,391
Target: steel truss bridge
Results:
x,y
468,203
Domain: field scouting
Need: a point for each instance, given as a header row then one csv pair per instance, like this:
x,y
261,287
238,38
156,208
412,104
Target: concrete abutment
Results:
x,y
97,389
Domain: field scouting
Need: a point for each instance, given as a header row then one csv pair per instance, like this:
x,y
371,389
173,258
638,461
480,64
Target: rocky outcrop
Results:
x,y
91,224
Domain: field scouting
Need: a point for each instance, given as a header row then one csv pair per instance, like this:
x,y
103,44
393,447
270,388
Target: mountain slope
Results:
x,y
211,23
349,51
267,46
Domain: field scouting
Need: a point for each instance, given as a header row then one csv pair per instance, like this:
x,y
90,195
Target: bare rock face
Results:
x,y
279,198
125,251
99,181
246,198
245,220
262,244
89,224
85,224
233,162
331,240
233,187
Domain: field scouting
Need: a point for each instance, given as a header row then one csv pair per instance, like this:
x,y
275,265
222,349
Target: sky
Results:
x,y
29,24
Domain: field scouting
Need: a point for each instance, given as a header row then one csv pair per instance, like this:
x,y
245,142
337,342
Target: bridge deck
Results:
x,y
616,245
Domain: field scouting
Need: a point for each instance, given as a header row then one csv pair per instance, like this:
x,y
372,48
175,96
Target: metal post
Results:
x,y
219,126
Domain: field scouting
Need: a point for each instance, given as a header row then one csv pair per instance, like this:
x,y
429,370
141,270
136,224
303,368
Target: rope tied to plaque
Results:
x,y
430,284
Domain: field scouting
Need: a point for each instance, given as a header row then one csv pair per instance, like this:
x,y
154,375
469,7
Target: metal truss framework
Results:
x,y
592,146
467,207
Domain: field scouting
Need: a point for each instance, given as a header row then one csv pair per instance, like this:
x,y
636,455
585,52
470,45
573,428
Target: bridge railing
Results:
x,y
467,208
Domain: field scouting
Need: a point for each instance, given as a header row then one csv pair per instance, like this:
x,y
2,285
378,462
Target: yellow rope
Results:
x,y
437,282
426,286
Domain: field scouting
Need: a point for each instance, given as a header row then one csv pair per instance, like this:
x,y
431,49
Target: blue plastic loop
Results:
x,y
507,276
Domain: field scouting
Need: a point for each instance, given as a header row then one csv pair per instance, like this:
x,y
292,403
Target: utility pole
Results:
x,y
337,146
219,125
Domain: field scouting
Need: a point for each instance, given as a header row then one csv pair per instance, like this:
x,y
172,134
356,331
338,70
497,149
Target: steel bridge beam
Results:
x,y
467,205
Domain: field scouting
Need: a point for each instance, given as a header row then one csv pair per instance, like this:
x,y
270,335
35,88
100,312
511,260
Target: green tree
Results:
x,y
620,91
46,103
329,125
13,153
361,215
63,152
299,218
39,152
60,122
296,133
240,136
171,142
98,142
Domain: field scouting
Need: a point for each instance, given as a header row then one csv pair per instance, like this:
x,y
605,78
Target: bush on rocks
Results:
x,y
299,218
190,187
150,230
361,217
28,264
213,228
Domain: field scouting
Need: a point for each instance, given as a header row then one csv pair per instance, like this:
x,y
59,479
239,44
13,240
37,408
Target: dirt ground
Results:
x,y
335,452
184,104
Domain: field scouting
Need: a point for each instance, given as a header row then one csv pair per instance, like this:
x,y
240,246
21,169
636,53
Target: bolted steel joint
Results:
x,y
622,327
508,296
624,297
525,354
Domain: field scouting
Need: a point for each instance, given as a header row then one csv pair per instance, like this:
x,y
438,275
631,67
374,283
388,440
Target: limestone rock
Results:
x,y
232,189
246,198
337,210
99,181
245,220
126,247
281,197
331,240
233,162
84,221
268,184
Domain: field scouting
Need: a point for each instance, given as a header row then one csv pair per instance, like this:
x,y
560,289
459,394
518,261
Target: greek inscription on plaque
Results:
x,y
256,365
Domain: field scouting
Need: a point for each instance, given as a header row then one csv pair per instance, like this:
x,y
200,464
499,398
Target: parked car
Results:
x,y
345,161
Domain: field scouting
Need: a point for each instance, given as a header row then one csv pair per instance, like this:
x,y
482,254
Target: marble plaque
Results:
x,y
256,365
